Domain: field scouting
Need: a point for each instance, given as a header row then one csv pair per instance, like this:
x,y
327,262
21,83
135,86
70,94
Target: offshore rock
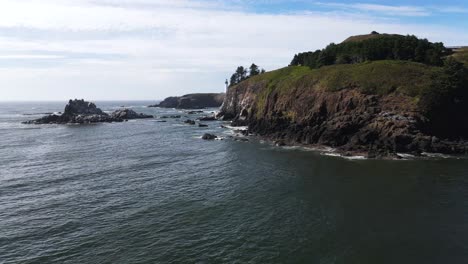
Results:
x,y
129,114
83,112
209,137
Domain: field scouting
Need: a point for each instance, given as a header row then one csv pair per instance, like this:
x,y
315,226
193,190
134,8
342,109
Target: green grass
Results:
x,y
379,77
462,55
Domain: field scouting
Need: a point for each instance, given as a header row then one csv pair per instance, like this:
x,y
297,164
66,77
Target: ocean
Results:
x,y
150,192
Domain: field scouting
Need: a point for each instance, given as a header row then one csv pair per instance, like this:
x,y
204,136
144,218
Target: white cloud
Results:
x,y
395,10
384,9
29,56
451,9
162,47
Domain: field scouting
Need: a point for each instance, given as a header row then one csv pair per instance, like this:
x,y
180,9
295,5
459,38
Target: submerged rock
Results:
x,y
241,139
202,125
194,112
207,118
190,122
172,116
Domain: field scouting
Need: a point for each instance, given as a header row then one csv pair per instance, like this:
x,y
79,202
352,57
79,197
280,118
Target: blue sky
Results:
x,y
150,49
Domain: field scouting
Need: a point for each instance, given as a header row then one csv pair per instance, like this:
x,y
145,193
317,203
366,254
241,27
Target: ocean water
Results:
x,y
150,192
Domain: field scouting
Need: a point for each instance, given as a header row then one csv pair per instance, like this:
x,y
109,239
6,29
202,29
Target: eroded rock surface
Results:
x,y
348,120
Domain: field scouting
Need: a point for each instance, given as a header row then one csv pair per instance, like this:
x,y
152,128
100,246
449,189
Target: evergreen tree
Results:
x,y
241,73
254,70
233,79
382,47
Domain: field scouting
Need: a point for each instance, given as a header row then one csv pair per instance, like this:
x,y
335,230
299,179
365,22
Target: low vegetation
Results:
x,y
379,77
461,55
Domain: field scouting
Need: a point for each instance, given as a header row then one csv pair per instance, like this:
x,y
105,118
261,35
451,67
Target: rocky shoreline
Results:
x,y
83,112
350,122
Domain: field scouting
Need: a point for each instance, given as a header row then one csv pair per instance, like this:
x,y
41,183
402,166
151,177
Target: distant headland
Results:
x,y
193,101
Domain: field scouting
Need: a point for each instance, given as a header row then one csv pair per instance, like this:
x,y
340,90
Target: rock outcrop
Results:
x,y
129,114
83,112
193,101
208,136
348,119
189,122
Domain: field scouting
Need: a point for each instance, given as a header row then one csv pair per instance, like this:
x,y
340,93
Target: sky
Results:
x,y
151,49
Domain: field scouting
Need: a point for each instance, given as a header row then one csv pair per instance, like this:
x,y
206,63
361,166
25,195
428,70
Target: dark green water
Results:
x,y
149,192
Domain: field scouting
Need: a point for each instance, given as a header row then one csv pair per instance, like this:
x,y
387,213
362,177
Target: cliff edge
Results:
x,y
377,108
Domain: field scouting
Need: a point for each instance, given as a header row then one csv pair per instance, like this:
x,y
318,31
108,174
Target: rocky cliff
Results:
x,y
193,101
378,109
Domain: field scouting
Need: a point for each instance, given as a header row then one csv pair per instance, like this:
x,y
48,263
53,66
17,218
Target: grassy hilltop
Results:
x,y
432,83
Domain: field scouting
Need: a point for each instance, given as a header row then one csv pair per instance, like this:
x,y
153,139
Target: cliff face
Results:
x,y
193,101
296,108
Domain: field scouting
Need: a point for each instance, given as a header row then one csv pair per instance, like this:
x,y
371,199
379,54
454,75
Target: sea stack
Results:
x,y
83,112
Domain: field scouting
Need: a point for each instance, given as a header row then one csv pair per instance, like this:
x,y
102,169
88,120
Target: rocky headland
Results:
x,y
83,112
376,108
193,101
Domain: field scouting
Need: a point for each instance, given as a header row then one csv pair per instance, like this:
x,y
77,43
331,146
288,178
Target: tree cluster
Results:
x,y
242,74
383,47
447,96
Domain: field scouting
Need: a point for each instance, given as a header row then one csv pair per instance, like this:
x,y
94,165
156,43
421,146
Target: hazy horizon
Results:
x,y
113,50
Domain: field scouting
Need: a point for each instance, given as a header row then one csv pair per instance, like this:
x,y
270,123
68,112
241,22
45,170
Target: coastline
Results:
x,y
325,150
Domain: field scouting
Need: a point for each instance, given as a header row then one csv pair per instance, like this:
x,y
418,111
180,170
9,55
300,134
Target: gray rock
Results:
x,y
190,122
83,112
207,136
129,114
207,118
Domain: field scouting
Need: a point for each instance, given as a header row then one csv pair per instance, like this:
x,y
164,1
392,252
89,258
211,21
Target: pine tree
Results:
x,y
254,70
